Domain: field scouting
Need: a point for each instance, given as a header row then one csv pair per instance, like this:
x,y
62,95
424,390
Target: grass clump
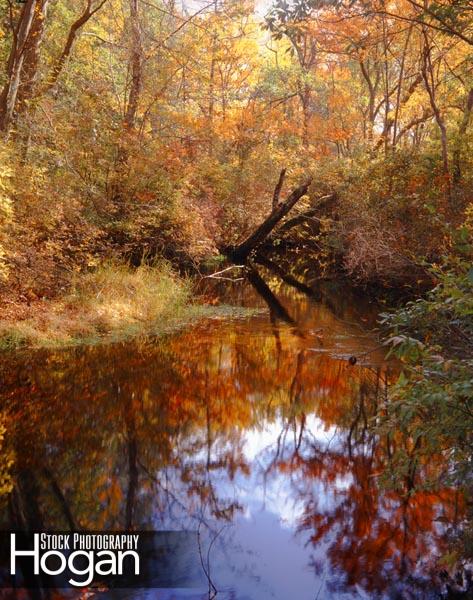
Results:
x,y
114,302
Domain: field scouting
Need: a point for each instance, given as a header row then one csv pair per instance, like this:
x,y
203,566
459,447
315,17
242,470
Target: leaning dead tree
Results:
x,y
325,205
240,252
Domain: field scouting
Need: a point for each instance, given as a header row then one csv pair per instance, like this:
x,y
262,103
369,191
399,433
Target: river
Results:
x,y
256,430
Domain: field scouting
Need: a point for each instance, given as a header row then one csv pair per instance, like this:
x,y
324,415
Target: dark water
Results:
x,y
257,431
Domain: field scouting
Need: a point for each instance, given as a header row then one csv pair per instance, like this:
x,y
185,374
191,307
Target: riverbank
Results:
x,y
114,302
117,301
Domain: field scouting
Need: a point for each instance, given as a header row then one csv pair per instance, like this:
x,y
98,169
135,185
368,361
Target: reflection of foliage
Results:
x,y
6,459
155,434
183,404
374,537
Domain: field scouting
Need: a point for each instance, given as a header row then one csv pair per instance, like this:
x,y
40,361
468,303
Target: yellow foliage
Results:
x,y
6,208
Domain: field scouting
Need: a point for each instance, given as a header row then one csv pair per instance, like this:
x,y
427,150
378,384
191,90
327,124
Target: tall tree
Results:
x,y
20,32
135,66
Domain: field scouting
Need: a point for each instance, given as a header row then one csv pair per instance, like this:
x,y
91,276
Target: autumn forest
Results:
x,y
298,173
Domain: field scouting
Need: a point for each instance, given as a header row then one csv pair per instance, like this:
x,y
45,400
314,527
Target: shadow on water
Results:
x,y
256,431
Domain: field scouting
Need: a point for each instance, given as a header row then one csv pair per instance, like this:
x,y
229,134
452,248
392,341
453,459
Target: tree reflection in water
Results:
x,y
256,423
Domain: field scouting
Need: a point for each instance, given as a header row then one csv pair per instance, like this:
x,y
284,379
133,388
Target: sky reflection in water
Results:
x,y
255,430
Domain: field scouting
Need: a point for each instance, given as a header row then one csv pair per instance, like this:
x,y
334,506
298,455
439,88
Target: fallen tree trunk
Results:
x,y
240,253
307,216
312,215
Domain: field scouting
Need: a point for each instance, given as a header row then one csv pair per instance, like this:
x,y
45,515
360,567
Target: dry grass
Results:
x,y
112,303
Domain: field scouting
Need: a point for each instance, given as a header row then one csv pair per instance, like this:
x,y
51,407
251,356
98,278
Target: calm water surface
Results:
x,y
254,430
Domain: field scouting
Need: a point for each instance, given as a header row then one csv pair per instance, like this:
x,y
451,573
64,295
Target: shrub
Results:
x,y
390,215
432,402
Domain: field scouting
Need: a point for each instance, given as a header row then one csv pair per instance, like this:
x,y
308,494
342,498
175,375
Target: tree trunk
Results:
x,y
386,86
323,206
136,67
387,126
213,67
8,97
29,72
399,87
73,32
371,99
428,76
457,175
277,189
241,252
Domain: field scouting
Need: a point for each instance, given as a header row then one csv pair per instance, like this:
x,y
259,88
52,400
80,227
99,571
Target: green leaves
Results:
x,y
432,400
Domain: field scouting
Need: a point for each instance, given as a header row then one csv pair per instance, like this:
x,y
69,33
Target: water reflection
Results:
x,y
256,431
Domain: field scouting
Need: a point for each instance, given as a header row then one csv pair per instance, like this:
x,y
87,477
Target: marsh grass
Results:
x,y
113,303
